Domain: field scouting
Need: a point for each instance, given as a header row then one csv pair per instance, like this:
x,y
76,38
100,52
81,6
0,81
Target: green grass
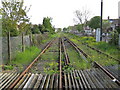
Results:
x,y
95,56
76,60
49,55
51,68
50,37
26,57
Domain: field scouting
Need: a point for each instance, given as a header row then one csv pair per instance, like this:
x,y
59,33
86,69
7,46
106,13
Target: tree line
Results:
x,y
16,21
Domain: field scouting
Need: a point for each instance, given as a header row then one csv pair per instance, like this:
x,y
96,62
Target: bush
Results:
x,y
26,57
114,36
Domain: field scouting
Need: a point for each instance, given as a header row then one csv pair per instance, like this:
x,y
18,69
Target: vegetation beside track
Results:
x,y
95,56
23,58
76,60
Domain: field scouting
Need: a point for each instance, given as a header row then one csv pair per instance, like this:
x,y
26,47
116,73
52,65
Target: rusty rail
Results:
x,y
60,64
101,52
67,61
80,51
98,65
108,73
26,70
76,47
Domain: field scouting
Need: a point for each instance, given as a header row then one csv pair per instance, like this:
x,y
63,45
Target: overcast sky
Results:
x,y
62,11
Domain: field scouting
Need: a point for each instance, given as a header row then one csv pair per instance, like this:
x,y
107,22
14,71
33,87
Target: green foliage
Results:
x,y
59,30
35,29
118,30
79,27
24,58
51,68
8,67
65,29
41,28
107,48
47,25
106,25
13,14
76,60
95,22
87,40
114,36
67,68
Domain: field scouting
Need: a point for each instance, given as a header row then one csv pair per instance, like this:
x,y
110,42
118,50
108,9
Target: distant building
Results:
x,y
114,23
88,30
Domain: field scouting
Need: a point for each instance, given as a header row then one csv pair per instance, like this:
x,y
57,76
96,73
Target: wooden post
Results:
x,y
23,47
9,46
30,37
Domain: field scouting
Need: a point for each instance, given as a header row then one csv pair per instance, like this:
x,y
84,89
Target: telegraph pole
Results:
x,y
101,19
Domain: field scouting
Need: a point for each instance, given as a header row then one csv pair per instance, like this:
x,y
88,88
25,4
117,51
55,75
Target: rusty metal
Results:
x,y
60,65
76,79
76,47
80,51
26,70
98,65
67,61
108,73
101,52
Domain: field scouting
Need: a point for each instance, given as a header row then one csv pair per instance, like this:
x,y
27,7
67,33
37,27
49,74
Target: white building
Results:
x,y
88,30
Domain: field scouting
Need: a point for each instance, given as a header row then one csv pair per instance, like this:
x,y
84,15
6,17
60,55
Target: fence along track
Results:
x,y
26,70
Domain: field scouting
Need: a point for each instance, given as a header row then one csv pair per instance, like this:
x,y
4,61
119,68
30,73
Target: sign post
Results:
x,y
98,35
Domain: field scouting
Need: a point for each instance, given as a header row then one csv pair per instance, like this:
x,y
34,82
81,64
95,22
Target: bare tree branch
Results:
x,y
82,16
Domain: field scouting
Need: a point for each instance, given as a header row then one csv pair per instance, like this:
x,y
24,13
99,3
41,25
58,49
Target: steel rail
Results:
x,y
102,68
101,52
107,72
80,51
67,61
26,70
76,47
60,64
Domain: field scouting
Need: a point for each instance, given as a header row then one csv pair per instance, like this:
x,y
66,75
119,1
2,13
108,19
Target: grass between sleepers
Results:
x,y
105,47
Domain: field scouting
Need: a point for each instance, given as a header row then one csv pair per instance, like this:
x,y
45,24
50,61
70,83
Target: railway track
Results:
x,y
76,79
99,51
85,79
27,69
95,63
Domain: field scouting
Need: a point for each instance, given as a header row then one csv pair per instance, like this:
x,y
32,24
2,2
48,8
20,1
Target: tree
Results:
x,y
79,27
118,30
35,29
95,22
65,29
47,25
14,19
41,28
114,37
59,30
13,14
106,25
82,16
